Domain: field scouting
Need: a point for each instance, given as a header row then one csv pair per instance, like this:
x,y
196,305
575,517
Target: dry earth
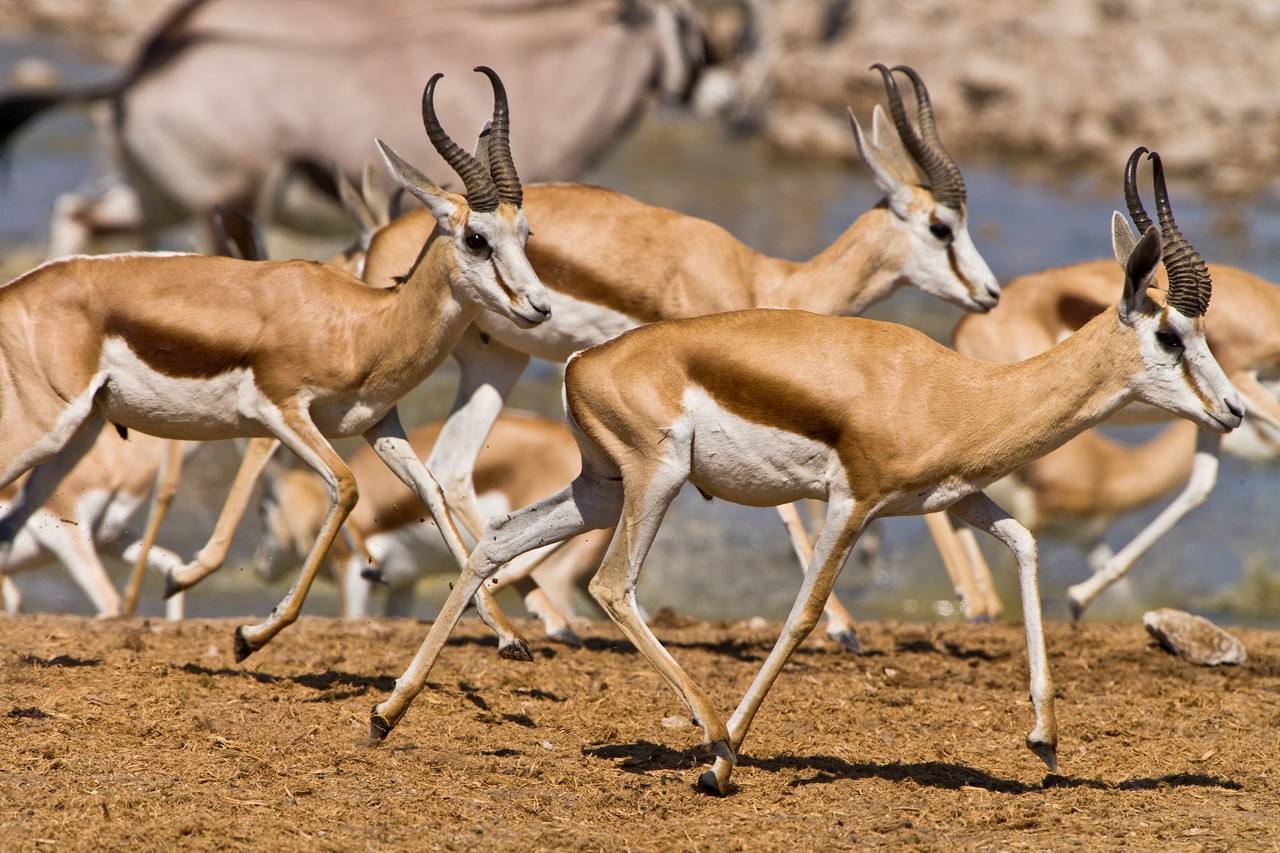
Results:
x,y
131,735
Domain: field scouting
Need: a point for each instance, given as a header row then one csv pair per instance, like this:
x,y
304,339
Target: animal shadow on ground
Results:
x,y
326,681
643,756
60,660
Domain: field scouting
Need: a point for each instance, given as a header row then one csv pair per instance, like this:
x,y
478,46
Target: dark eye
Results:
x,y
1169,340
942,231
477,243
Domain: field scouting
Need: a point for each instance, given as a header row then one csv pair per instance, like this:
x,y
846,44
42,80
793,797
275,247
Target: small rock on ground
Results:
x,y
1193,638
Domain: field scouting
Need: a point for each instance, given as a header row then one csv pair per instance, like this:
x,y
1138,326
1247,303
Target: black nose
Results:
x,y
1235,408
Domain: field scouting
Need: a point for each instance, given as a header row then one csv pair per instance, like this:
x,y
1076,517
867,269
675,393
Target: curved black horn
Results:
x,y
1131,198
1190,285
929,130
502,167
942,182
482,195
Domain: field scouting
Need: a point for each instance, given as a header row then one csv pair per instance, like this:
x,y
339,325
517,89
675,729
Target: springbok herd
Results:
x,y
689,357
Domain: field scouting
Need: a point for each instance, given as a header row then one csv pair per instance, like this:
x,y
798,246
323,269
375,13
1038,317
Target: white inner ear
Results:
x,y
1122,238
884,136
442,204
882,170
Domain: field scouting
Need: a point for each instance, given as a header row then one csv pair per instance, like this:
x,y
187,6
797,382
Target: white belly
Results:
x,y
753,464
574,325
135,395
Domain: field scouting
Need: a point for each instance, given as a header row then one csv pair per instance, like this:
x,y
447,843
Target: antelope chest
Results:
x,y
574,325
751,463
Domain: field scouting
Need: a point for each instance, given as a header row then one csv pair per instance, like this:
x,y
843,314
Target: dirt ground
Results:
x,y
145,735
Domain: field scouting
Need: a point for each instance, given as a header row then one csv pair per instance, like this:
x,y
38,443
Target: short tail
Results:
x,y
19,108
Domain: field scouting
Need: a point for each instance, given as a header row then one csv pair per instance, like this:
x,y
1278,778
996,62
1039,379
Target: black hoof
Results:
x,y
1077,611
848,640
1046,752
379,727
567,637
518,650
243,648
709,784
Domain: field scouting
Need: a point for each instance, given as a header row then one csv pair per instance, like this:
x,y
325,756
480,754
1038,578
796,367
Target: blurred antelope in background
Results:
x,y
763,407
296,350
1091,478
226,96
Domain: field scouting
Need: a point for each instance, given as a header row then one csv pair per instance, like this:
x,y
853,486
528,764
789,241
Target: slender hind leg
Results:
x,y
981,512
835,542
301,436
73,545
166,487
214,553
388,440
956,561
588,503
45,477
840,627
1204,474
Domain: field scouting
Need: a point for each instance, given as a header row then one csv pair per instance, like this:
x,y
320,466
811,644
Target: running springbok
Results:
x,y
296,350
762,407
1244,322
93,511
611,263
526,458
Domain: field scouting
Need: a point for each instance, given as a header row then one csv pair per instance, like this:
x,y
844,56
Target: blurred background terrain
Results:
x,y
1040,100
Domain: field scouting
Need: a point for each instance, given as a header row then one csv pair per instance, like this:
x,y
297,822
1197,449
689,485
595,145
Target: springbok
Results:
x,y
1244,322
92,511
526,458
226,95
762,407
611,263
295,350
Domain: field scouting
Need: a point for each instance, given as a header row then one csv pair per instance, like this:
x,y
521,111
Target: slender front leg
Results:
x,y
1204,473
585,504
840,626
956,562
300,435
981,512
839,533
211,557
388,440
166,487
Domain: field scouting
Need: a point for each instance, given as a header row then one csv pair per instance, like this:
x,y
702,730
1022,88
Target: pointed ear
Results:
x,y
1139,269
442,203
882,169
884,136
353,203
374,192
1122,238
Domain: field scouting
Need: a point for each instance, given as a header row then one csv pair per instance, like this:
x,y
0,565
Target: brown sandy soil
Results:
x,y
130,735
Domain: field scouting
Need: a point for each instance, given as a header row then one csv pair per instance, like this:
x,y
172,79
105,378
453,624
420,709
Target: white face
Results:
x,y
942,259
1179,374
494,271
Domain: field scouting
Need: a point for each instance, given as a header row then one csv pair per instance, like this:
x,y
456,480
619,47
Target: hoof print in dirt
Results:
x,y
518,650
1193,638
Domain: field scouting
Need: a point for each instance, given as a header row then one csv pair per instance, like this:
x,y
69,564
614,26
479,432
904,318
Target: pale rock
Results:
x,y
1193,637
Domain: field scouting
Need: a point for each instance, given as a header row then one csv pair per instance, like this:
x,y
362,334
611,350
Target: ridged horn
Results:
x,y
502,167
1131,198
929,128
1190,285
945,181
482,195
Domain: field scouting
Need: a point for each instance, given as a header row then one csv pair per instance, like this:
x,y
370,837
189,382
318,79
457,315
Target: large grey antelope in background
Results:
x,y
611,263
762,407
1090,477
226,95
295,350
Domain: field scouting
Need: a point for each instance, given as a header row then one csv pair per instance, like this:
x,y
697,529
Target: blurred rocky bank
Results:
x,y
1066,84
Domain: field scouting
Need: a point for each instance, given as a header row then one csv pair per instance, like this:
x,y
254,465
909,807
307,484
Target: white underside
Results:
x,y
574,325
